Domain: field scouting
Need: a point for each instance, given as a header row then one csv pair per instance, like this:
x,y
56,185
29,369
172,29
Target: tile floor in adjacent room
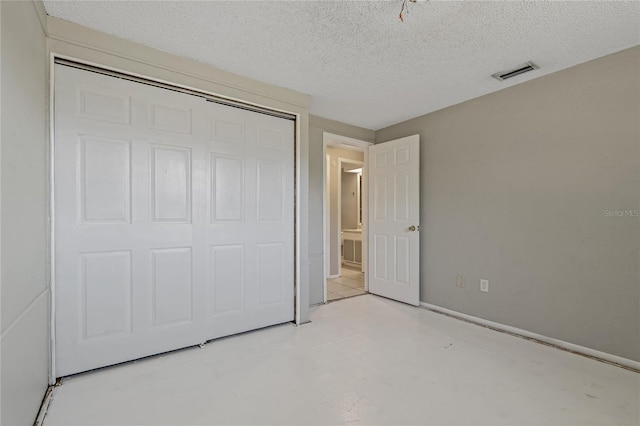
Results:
x,y
362,360
350,283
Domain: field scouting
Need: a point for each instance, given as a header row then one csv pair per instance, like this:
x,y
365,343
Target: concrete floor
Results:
x,y
362,360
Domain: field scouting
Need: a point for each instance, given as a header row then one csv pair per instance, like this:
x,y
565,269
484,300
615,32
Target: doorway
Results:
x,y
345,217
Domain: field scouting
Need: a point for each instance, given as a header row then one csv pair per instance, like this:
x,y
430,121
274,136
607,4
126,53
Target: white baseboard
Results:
x,y
561,344
48,397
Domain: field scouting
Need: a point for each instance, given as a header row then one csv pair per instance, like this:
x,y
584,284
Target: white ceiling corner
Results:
x,y
359,63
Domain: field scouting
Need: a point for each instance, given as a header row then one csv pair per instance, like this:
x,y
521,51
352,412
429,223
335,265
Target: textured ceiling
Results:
x,y
358,62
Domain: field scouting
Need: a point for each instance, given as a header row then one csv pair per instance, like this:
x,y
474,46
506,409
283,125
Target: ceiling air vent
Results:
x,y
526,67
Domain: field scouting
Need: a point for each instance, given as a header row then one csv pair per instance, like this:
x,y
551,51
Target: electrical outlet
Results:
x,y
484,286
460,281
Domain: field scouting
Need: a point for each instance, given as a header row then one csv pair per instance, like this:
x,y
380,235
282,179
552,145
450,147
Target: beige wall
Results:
x,y
25,289
317,126
515,188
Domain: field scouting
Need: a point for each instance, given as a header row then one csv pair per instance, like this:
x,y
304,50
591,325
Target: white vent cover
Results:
x,y
526,67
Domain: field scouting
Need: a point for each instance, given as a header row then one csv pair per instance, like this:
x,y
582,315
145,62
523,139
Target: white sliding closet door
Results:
x,y
174,220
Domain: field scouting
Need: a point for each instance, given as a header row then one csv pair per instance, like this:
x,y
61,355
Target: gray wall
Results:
x,y
318,125
515,188
25,292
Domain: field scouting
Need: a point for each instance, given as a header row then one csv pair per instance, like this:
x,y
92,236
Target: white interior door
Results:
x,y
174,220
394,219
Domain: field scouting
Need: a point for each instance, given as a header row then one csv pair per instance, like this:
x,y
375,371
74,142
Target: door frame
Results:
x,y
298,125
332,139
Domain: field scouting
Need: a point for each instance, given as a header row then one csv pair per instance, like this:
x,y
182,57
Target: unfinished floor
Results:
x,y
362,360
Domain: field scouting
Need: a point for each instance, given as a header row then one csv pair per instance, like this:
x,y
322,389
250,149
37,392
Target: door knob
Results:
x,y
413,228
